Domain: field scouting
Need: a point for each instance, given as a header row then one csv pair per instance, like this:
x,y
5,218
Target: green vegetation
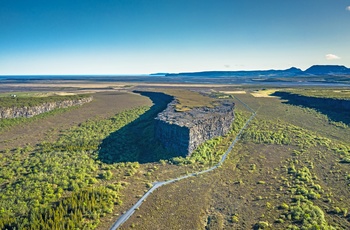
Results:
x,y
303,210
324,117
188,100
330,102
341,93
290,171
81,210
29,101
132,142
211,151
7,123
285,173
221,95
33,94
281,133
59,184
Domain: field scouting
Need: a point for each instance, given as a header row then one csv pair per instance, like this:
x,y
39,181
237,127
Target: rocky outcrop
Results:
x,y
183,132
27,111
336,109
333,104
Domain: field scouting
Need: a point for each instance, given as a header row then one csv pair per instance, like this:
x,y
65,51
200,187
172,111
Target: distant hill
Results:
x,y
291,72
158,74
327,70
249,73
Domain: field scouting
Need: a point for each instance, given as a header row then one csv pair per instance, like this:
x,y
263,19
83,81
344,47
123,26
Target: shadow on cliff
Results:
x,y
136,141
336,109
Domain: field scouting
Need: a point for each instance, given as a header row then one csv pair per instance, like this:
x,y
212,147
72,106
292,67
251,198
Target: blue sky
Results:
x,y
147,36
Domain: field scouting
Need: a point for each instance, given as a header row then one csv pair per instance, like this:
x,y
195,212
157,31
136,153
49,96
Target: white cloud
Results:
x,y
348,8
332,57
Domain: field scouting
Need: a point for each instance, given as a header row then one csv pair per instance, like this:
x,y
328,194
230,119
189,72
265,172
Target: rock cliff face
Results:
x,y
183,132
336,109
315,102
25,111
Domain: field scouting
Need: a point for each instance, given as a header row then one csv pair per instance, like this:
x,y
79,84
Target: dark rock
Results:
x,y
327,70
291,72
26,111
183,132
336,109
245,73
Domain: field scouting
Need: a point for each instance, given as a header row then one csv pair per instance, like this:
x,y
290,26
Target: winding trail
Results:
x,y
122,219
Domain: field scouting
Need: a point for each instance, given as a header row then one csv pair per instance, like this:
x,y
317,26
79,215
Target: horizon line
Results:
x,y
162,72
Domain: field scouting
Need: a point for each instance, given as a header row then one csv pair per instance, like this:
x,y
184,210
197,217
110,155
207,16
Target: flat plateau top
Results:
x,y
194,116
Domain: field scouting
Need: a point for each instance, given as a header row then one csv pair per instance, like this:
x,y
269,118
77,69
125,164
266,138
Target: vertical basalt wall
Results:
x,y
183,132
173,137
30,111
214,126
315,102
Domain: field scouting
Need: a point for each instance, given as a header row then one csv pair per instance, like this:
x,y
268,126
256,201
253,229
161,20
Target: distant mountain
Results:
x,y
245,73
327,70
158,74
291,72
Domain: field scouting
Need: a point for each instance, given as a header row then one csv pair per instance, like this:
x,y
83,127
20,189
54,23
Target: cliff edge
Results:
x,y
30,111
183,132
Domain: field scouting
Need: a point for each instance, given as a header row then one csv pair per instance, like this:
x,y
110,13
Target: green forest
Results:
x,y
62,183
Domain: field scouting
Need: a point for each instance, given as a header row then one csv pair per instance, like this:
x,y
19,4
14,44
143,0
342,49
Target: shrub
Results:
x,y
283,206
345,160
235,218
261,225
252,167
107,175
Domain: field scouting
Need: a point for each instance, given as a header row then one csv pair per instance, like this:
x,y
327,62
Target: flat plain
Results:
x,y
290,169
